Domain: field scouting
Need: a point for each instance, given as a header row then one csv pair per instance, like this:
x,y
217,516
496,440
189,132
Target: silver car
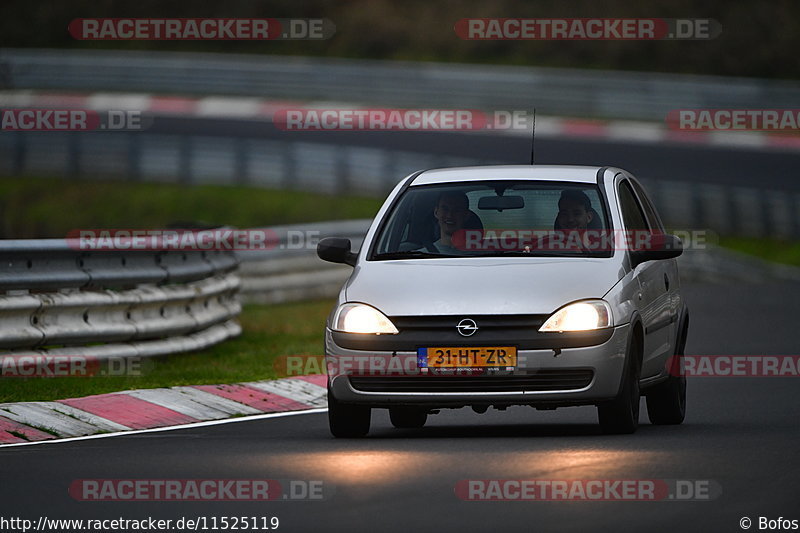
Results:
x,y
493,286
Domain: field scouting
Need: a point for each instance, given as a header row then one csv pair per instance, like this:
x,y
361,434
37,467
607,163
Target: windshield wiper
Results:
x,y
536,253
420,254
409,254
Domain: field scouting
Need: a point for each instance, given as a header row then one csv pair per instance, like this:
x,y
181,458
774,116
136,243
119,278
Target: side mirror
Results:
x,y
336,250
659,246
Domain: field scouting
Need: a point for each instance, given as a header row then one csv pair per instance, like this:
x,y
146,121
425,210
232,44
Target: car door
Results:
x,y
670,266
653,298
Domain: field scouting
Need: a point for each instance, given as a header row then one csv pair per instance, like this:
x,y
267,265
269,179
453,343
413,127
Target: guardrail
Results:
x,y
341,169
291,271
55,299
204,159
554,91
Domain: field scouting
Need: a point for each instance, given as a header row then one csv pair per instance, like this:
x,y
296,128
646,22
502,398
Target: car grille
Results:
x,y
447,323
544,380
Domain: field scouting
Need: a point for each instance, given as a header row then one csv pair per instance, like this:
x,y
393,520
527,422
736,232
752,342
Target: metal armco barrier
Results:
x,y
291,271
55,299
342,169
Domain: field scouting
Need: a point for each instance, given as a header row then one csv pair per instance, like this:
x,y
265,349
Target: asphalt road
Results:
x,y
741,433
740,166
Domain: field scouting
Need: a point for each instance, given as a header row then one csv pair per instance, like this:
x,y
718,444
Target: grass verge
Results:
x,y
268,332
35,207
787,252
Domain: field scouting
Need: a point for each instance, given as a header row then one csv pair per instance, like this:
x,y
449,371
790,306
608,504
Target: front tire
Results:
x,y
621,415
407,417
347,421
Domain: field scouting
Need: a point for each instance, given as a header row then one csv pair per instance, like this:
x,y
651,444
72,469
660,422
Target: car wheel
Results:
x,y
407,417
621,415
666,402
347,421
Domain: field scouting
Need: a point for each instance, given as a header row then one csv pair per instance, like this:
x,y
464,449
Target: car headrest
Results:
x,y
473,221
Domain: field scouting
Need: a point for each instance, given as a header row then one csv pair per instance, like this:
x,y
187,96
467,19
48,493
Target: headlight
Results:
x,y
580,316
361,318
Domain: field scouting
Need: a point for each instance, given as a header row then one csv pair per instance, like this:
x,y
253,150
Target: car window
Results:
x,y
649,210
632,213
462,219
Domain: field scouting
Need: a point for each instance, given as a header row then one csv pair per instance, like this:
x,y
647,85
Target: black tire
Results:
x,y
347,421
666,402
408,417
621,415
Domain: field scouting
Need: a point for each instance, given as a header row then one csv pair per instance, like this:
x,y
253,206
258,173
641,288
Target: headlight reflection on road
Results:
x,y
373,467
359,467
572,464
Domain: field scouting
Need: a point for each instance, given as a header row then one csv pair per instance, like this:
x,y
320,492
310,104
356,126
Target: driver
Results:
x,y
450,212
574,210
575,213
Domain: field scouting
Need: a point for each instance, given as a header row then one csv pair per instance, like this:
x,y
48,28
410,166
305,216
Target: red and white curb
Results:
x,y
155,408
263,109
209,106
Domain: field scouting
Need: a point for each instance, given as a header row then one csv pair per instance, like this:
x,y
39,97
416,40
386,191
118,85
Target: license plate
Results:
x,y
467,357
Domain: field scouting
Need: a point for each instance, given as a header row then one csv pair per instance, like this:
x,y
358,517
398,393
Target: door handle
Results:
x,y
666,281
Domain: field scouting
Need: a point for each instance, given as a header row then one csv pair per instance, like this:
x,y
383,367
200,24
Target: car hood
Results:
x,y
479,285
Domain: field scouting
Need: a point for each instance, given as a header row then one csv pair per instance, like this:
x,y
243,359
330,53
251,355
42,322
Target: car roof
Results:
x,y
576,174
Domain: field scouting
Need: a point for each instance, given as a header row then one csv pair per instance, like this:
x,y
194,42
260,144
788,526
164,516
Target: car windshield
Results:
x,y
495,218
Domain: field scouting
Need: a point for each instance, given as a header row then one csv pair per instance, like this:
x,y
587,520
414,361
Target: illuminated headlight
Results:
x,y
361,318
580,316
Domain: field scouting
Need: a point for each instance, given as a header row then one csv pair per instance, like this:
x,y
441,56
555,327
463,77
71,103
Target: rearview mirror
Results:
x,y
336,250
659,246
500,203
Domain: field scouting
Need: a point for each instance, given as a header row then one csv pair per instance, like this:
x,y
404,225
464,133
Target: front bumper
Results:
x,y
576,376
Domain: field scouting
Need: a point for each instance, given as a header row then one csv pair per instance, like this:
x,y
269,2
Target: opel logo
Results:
x,y
467,327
